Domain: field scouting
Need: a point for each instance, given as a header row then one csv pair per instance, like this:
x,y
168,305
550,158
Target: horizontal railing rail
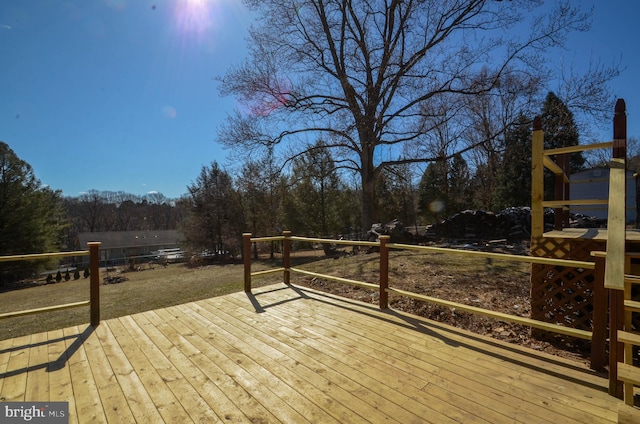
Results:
x,y
383,285
493,255
556,169
578,148
331,241
94,282
554,328
38,256
334,278
271,238
45,309
557,160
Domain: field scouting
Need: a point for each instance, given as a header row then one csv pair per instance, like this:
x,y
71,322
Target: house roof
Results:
x,y
129,239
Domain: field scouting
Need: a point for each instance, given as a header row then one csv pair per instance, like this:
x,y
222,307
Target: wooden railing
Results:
x,y
622,339
384,287
619,280
557,161
94,282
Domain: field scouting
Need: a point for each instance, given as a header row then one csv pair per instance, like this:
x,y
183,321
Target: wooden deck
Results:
x,y
599,234
293,355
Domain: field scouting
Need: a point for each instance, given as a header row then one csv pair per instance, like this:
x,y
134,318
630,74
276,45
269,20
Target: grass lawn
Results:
x,y
145,290
481,283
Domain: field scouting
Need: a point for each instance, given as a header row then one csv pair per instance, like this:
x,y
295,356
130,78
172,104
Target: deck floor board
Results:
x,y
377,334
294,355
401,367
476,363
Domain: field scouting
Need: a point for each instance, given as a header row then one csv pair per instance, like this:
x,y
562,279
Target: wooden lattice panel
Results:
x,y
550,248
576,248
563,295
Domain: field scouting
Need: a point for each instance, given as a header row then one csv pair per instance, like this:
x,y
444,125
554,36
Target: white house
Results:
x,y
594,184
117,246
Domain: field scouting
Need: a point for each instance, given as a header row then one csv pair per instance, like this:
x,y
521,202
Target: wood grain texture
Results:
x,y
293,355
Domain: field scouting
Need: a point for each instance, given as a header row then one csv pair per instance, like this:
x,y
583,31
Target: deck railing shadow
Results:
x,y
509,350
383,246
55,365
367,310
513,354
260,308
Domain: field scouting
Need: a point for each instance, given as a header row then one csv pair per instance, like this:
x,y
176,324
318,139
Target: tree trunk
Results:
x,y
368,176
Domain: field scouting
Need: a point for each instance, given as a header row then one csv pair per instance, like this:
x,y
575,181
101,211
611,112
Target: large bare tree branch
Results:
x,y
365,72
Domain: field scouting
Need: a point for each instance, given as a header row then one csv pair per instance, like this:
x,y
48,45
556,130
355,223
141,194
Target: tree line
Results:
x,y
96,211
317,198
309,194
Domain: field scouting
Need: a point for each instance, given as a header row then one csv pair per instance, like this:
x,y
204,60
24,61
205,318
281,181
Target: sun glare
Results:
x,y
193,16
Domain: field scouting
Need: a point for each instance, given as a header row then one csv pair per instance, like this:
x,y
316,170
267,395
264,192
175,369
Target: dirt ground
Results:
x,y
495,285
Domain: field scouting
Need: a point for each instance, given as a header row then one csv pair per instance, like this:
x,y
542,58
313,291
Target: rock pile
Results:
x,y
394,229
513,224
510,224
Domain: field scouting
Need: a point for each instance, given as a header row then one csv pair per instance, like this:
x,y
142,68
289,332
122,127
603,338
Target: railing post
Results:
x,y
537,181
94,282
614,281
286,256
567,188
620,130
246,258
558,213
600,303
616,349
384,272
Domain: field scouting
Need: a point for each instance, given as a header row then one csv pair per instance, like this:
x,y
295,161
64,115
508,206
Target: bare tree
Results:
x,y
93,210
363,73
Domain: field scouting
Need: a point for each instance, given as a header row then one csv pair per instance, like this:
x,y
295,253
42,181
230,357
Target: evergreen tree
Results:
x,y
263,192
397,198
480,188
31,216
312,208
215,220
459,181
386,206
253,184
514,176
276,191
433,195
560,130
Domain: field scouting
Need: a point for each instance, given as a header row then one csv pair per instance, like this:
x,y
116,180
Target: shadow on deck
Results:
x,y
294,355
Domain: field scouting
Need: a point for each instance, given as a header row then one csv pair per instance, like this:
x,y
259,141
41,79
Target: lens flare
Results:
x,y
169,112
436,206
193,16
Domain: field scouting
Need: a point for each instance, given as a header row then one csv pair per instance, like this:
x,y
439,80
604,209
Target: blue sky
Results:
x,y
120,95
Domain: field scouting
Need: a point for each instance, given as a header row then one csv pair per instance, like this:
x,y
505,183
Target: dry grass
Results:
x,y
497,285
144,290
